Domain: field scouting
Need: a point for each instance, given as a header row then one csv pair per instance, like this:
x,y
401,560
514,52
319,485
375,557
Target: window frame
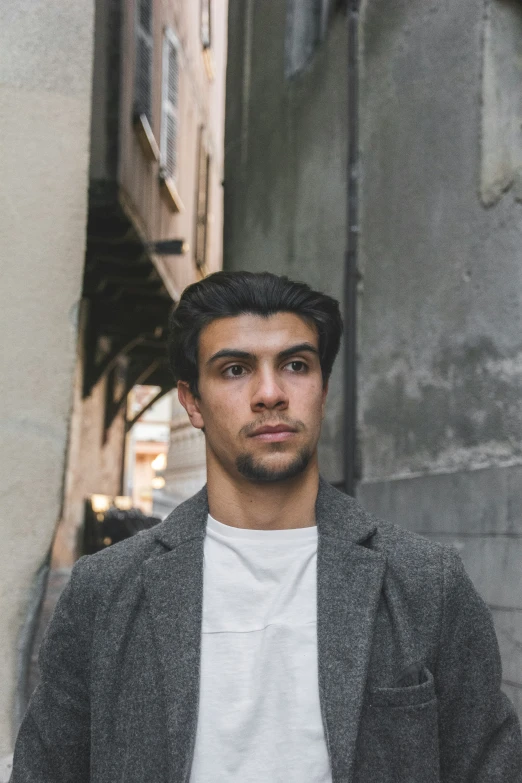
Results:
x,y
141,34
202,211
170,41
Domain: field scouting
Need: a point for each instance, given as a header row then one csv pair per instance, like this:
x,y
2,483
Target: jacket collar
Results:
x,y
337,516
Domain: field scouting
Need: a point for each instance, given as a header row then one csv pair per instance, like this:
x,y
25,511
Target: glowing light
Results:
x,y
123,502
160,463
100,503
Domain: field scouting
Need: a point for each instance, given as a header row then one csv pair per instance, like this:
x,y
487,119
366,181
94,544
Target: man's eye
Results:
x,y
297,366
234,371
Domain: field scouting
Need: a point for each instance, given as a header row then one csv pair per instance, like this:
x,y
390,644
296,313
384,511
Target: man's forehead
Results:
x,y
249,331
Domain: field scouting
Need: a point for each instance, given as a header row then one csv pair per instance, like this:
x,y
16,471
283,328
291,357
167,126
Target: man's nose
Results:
x,y
269,392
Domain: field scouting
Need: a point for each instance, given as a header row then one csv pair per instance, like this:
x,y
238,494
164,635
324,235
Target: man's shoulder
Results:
x,y
121,563
419,555
425,572
394,540
400,546
120,559
416,560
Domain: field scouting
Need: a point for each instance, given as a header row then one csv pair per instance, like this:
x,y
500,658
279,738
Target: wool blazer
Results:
x,y
408,661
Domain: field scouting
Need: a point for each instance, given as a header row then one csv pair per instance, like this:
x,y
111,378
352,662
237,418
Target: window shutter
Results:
x,y
170,108
145,15
144,48
202,200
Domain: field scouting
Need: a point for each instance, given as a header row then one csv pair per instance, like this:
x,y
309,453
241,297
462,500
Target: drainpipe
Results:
x,y
350,270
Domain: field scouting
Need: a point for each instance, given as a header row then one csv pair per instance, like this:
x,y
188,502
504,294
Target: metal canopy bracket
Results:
x,y
128,308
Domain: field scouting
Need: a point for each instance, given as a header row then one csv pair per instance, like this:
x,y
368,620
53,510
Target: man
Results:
x,y
269,630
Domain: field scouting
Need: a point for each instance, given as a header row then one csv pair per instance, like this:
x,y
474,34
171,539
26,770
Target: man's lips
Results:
x,y
277,432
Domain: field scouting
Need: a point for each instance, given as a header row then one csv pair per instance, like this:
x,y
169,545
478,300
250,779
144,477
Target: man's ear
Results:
x,y
191,405
325,392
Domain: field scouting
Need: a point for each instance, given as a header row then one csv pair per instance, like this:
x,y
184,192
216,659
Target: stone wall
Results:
x,y
45,85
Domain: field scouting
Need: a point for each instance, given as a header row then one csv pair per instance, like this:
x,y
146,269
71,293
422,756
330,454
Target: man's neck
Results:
x,y
279,505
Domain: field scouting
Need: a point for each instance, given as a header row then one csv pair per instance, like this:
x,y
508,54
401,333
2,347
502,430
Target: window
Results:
x,y
144,50
202,202
206,29
169,115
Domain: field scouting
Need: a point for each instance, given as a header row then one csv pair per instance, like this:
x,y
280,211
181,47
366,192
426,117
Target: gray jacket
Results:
x,y
409,668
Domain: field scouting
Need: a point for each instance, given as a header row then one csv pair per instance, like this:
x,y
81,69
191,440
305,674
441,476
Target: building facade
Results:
x,y
424,169
155,222
117,160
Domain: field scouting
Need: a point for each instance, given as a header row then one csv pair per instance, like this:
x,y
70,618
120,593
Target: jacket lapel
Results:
x,y
173,584
349,580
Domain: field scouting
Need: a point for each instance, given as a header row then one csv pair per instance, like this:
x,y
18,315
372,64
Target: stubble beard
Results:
x,y
257,471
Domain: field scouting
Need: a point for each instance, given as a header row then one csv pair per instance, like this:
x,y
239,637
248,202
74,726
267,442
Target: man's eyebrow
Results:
x,y
230,353
235,353
299,348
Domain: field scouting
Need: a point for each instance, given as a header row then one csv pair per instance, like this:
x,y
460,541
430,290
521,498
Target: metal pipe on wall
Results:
x,y
350,271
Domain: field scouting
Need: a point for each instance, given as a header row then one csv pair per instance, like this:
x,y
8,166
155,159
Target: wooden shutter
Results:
x,y
169,130
144,51
145,15
202,202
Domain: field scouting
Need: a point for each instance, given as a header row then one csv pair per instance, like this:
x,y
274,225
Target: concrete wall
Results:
x,y
440,303
440,372
285,169
45,83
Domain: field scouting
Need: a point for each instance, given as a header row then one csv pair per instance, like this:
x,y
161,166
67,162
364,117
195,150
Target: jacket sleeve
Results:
x,y
479,731
53,743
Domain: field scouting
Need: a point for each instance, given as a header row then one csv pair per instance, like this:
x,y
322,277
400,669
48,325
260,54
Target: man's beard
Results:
x,y
256,471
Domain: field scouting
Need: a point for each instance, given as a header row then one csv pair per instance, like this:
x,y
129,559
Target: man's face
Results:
x,y
261,395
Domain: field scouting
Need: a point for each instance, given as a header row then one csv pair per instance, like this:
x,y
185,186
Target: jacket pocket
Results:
x,y
398,738
404,696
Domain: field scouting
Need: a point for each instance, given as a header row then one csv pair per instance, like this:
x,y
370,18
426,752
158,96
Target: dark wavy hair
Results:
x,y
225,294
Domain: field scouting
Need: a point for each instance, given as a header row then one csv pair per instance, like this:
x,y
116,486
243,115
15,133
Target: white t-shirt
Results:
x,y
259,718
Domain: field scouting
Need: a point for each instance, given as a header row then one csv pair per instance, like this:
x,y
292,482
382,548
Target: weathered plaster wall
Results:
x,y
440,305
45,83
440,371
285,169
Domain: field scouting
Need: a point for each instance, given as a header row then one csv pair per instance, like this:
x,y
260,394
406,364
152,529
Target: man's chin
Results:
x,y
259,470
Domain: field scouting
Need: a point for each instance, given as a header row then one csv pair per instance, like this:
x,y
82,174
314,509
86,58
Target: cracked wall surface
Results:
x,y
440,300
440,341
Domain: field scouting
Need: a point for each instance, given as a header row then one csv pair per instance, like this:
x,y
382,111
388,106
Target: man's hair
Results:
x,y
229,294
